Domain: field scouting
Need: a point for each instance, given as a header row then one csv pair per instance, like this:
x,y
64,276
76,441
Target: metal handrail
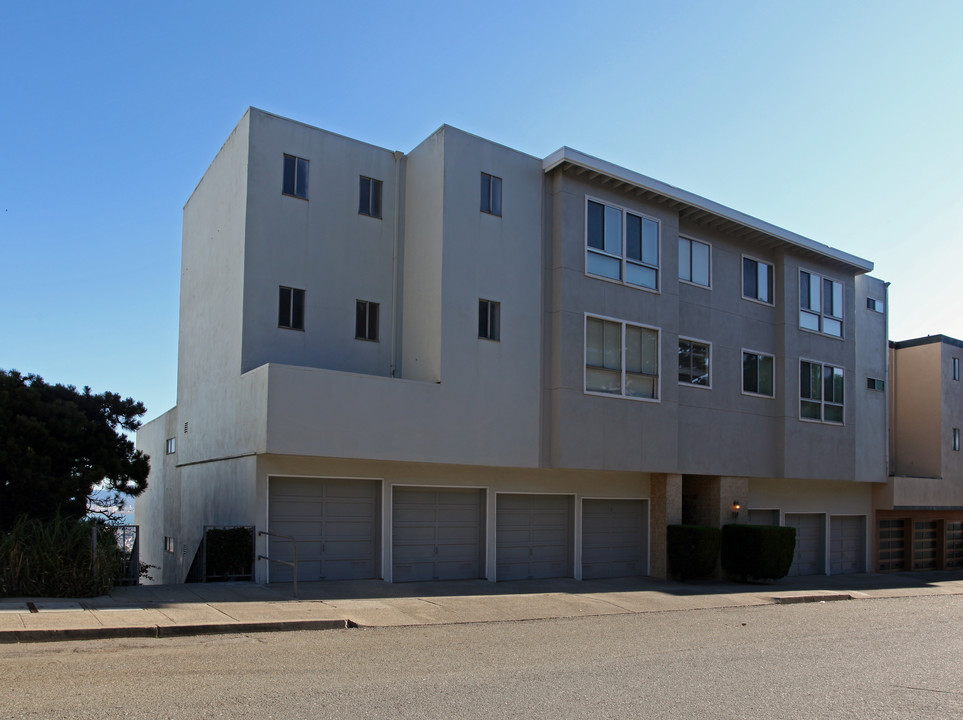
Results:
x,y
283,562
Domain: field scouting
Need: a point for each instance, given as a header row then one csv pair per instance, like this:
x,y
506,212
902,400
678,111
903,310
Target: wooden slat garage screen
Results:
x,y
810,555
437,534
847,544
334,522
533,536
613,538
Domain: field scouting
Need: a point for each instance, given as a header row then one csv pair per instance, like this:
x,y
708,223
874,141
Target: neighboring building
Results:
x,y
920,509
469,362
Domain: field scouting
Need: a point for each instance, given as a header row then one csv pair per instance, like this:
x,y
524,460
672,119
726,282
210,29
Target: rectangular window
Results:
x,y
290,308
369,197
820,392
877,305
489,319
757,280
295,177
694,261
956,368
366,320
171,445
956,439
168,544
875,384
491,194
820,304
621,359
694,363
621,245
758,374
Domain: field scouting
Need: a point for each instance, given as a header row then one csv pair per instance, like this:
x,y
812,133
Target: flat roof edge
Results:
x,y
567,154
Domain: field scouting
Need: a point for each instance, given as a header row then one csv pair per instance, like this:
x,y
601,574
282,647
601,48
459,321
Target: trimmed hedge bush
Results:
x,y
760,552
692,550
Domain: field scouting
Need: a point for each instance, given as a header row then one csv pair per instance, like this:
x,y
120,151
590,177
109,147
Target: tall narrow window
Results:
x,y
956,439
694,363
694,261
758,374
290,308
820,392
491,194
757,281
621,245
295,181
369,202
621,359
171,446
489,319
366,320
956,368
820,304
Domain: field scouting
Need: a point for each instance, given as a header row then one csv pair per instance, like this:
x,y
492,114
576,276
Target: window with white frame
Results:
x,y
171,446
758,373
877,305
369,197
489,319
694,367
366,320
491,194
621,358
820,304
621,245
694,262
875,384
295,181
820,392
757,280
290,308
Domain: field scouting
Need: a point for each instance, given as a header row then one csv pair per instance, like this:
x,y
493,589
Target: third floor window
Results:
x,y
621,245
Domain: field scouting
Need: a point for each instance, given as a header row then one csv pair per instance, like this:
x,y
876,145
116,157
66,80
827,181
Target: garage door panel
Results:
x,y
413,534
458,534
809,555
847,544
533,536
614,538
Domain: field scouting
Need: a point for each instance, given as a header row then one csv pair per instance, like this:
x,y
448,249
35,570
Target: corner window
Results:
x,y
295,177
369,198
366,321
694,363
621,245
290,308
171,446
956,368
491,194
694,262
820,304
758,374
757,281
621,359
876,305
875,384
820,392
489,319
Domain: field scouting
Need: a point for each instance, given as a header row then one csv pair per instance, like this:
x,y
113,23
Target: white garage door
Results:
x,y
533,536
847,544
334,523
437,534
613,538
809,557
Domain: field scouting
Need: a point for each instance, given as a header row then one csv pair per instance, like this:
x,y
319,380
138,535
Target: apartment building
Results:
x,y
468,362
919,510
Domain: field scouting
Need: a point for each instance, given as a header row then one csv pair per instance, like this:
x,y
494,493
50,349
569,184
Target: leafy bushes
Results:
x,y
55,558
762,552
692,550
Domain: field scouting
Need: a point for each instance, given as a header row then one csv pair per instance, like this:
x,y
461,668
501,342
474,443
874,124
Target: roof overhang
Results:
x,y
695,209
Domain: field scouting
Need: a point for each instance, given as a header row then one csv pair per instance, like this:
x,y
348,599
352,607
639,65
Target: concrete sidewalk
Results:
x,y
197,609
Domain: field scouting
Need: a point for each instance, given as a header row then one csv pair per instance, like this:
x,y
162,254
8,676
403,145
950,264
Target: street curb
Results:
x,y
794,599
166,631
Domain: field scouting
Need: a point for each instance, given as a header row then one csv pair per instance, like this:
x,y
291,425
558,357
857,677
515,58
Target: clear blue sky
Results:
x,y
839,120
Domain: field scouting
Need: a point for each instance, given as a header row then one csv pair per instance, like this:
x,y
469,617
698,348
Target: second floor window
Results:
x,y
369,202
290,308
621,359
295,181
820,304
694,363
820,392
489,319
491,194
366,320
621,245
758,374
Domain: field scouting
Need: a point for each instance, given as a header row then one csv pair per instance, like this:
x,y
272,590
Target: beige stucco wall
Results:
x,y
916,410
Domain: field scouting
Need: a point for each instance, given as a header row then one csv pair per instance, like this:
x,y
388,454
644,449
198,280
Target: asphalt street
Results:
x,y
880,658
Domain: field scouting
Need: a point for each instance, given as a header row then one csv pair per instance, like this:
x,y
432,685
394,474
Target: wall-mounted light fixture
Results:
x,y
736,507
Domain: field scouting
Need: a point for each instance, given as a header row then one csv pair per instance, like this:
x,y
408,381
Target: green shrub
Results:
x,y
55,558
230,553
692,550
760,552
